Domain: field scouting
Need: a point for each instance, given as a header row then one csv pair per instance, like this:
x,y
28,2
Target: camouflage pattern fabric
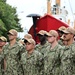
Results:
x,y
32,64
42,48
52,60
68,60
60,42
12,56
2,67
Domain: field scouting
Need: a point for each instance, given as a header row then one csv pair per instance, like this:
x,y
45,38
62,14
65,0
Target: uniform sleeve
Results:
x,y
21,50
2,55
40,63
72,56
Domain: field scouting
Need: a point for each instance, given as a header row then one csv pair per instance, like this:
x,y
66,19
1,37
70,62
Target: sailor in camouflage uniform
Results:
x,y
29,36
60,32
41,47
68,58
3,41
12,54
52,56
31,60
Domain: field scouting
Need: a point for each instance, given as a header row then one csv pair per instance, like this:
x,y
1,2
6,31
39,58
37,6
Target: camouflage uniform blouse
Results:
x,y
68,60
60,42
12,56
1,67
52,60
32,64
42,48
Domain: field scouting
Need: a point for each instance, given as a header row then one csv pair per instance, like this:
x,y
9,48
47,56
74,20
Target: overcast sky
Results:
x,y
26,7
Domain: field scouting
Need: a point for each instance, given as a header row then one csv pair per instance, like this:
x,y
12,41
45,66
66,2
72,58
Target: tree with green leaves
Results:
x,y
8,18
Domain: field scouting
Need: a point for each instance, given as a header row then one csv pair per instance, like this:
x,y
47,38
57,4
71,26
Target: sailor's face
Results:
x,y
42,37
29,46
2,43
51,39
67,36
11,37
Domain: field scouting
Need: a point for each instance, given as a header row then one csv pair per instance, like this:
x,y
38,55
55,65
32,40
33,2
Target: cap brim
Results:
x,y
65,31
10,33
58,30
47,34
26,40
39,34
2,40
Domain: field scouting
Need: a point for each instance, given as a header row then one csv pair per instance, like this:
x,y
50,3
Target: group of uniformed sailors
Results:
x,y
54,55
